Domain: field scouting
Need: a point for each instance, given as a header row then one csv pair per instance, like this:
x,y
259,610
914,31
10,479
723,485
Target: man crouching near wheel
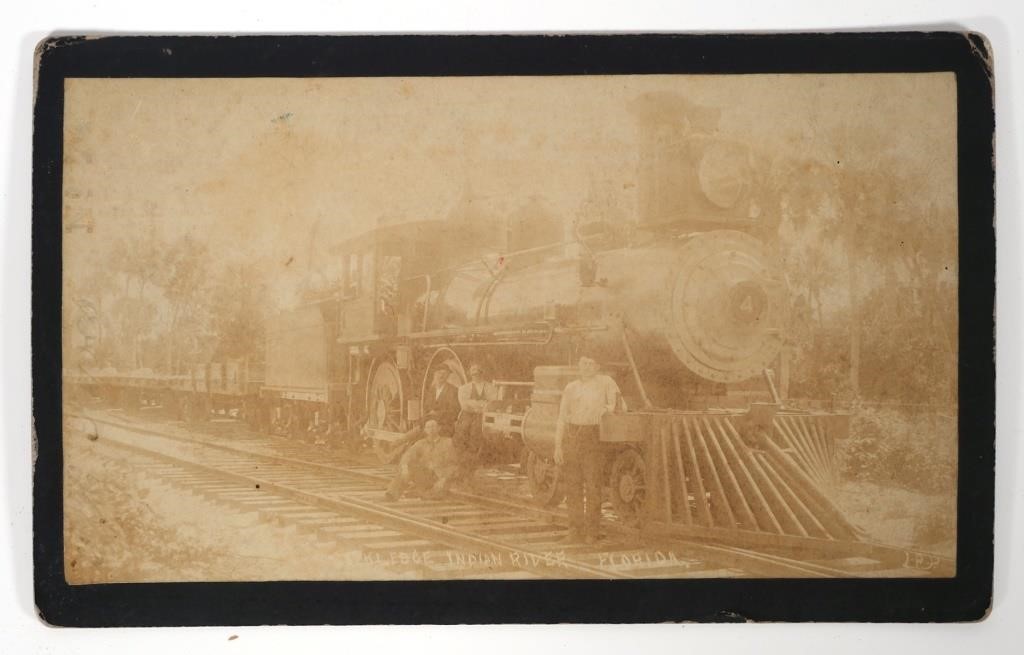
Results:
x,y
578,448
427,467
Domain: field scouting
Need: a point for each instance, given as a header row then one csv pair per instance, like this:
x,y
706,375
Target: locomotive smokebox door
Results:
x,y
624,428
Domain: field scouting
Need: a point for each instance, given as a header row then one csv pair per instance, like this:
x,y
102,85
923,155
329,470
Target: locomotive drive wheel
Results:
x,y
628,485
545,480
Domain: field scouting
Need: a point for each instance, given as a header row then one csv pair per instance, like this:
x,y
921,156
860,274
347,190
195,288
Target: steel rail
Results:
x,y
373,512
770,564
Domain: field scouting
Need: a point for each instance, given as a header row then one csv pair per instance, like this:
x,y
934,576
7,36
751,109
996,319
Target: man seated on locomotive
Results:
x,y
427,467
578,447
442,402
469,437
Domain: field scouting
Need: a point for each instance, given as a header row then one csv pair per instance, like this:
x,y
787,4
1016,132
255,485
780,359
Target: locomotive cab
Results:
x,y
393,278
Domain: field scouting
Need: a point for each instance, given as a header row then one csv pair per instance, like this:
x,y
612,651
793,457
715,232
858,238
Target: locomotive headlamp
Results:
x,y
724,173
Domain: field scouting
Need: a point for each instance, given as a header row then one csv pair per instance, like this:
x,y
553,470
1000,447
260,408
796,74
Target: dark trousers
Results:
x,y
469,442
582,471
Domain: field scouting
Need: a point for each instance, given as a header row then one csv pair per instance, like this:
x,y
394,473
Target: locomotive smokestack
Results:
x,y
687,170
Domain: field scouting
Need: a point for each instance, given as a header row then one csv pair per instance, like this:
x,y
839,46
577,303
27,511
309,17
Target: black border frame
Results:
x,y
963,598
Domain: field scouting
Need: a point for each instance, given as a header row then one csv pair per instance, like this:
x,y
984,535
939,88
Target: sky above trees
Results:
x,y
262,167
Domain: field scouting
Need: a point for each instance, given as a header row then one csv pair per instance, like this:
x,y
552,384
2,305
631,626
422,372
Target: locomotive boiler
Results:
x,y
685,307
695,312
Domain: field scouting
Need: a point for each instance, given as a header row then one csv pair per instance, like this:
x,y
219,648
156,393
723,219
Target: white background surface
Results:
x,y
25,23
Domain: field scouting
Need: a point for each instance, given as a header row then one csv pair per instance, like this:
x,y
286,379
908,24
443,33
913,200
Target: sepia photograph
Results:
x,y
510,328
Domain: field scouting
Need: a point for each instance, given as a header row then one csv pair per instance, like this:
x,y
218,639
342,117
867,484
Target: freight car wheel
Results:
x,y
545,479
628,485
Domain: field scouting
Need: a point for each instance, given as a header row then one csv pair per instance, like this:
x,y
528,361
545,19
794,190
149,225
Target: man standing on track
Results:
x,y
578,448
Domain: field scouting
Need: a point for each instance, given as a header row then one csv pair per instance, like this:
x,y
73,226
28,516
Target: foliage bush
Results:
x,y
898,448
821,364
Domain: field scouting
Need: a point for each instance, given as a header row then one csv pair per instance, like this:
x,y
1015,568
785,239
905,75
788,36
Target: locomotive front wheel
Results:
x,y
545,480
628,486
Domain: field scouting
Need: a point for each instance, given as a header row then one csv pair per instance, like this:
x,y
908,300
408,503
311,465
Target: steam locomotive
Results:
x,y
685,308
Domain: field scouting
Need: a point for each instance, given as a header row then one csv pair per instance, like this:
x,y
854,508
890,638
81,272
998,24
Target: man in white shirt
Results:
x,y
473,398
578,447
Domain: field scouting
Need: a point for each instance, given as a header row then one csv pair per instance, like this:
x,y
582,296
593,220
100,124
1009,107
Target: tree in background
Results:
x,y
136,261
870,258
171,304
237,307
187,266
87,320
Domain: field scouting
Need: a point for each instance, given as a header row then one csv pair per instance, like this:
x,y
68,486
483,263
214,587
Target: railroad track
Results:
x,y
461,536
